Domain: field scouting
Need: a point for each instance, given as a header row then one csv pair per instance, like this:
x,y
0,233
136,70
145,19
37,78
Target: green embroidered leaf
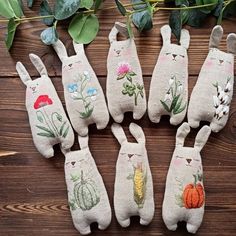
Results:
x,y
45,10
97,4
86,4
45,129
121,76
174,102
62,128
178,105
72,205
66,8
132,73
165,106
180,109
40,118
87,105
11,29
120,7
46,135
84,28
66,131
74,178
130,177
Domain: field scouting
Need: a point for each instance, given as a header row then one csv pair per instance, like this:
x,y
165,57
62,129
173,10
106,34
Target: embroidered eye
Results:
x,y
212,58
122,47
182,56
168,53
229,62
179,157
196,160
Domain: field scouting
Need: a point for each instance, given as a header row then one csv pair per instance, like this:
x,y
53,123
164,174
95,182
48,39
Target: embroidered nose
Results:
x,y
174,55
118,51
221,61
70,65
73,163
188,160
130,155
33,88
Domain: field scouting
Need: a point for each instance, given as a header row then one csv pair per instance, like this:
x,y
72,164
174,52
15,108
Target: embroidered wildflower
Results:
x,y
72,88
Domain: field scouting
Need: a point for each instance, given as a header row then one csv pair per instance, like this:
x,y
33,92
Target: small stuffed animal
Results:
x,y
87,195
184,197
85,101
48,121
133,182
211,97
169,84
125,90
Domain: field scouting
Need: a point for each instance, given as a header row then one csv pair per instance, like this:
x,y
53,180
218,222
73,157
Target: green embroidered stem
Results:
x,y
55,127
41,113
55,131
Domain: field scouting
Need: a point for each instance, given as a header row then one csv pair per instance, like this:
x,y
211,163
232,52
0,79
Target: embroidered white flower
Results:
x,y
171,80
228,87
167,97
216,101
180,88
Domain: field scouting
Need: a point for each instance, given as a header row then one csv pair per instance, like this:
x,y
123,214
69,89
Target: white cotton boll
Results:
x,y
216,101
93,98
74,95
226,110
219,109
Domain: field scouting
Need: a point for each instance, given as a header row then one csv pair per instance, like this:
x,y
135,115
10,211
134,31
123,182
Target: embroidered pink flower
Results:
x,y
123,68
42,100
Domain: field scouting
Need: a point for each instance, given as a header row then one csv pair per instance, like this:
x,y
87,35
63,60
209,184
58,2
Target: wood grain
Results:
x,y
33,198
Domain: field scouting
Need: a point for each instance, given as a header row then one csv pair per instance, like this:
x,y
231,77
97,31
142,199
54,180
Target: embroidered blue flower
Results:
x,y
72,88
91,91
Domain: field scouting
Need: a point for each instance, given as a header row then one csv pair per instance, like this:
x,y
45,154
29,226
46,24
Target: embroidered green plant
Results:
x,y
222,100
129,88
78,91
85,194
173,100
51,126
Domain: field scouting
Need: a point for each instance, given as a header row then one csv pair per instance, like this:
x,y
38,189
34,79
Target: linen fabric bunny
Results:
x,y
133,182
184,198
87,195
84,97
211,97
48,121
125,89
169,84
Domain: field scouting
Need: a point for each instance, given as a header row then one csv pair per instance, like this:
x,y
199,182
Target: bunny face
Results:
x,y
71,64
36,87
120,49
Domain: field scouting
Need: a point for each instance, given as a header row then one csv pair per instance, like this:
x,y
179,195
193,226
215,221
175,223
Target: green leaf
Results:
x,y
165,106
45,129
16,6
66,131
46,135
208,9
45,10
196,17
217,11
174,102
62,127
30,3
6,9
97,4
11,29
121,76
84,28
143,20
66,8
180,109
230,10
175,23
129,26
177,105
86,4
49,36
120,7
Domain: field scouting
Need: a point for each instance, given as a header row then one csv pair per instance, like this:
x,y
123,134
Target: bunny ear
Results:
x,y
231,43
60,49
83,141
137,132
118,132
79,47
37,62
202,137
24,75
216,36
182,133
185,38
166,34
118,28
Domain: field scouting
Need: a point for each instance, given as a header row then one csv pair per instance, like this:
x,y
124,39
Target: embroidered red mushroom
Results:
x,y
42,101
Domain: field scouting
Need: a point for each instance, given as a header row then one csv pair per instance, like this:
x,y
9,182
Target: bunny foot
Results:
x,y
124,223
194,123
192,228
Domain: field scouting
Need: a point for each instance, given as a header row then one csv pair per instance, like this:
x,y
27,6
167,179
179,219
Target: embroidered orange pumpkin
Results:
x,y
193,196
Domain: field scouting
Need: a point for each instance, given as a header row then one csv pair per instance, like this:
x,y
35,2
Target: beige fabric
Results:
x,y
184,197
125,90
48,121
133,182
211,97
169,84
87,194
84,97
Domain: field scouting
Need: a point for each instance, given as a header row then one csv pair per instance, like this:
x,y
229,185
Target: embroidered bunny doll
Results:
x,y
125,90
85,101
133,182
87,194
184,197
48,121
169,84
211,97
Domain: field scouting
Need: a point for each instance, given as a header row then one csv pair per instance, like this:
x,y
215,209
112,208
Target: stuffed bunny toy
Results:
x,y
211,97
133,182
125,89
87,195
169,84
184,197
85,101
48,121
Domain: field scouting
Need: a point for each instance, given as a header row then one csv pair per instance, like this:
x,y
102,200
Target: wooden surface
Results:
x,y
33,197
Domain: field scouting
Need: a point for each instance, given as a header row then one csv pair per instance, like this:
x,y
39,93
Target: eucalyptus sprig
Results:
x,y
84,23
